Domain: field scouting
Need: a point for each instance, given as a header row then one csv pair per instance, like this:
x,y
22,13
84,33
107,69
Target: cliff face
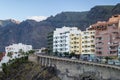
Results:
x,y
28,71
35,33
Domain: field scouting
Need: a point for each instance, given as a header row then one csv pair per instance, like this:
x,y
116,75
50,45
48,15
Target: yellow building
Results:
x,y
88,43
75,43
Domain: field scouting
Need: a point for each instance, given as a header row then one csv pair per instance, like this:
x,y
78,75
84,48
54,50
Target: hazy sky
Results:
x,y
22,9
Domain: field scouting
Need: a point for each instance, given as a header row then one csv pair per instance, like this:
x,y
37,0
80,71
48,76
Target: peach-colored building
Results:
x,y
107,37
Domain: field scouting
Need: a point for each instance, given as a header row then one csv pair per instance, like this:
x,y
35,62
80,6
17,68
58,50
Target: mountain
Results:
x,y
8,22
35,33
32,32
116,9
68,19
28,32
84,19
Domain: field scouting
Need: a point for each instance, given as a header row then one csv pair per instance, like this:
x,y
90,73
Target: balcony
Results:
x,y
113,49
92,46
114,44
99,52
99,43
115,32
92,50
98,39
113,52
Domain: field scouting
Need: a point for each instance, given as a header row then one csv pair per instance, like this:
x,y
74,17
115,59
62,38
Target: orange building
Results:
x,y
107,37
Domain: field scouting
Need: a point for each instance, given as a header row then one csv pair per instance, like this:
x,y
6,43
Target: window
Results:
x,y
99,52
108,42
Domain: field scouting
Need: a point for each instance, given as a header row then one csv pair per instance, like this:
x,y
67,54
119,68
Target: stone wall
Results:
x,y
70,69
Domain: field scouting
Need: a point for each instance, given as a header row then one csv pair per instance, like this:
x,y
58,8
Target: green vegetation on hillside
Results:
x,y
22,69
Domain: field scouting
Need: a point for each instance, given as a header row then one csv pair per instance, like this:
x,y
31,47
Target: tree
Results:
x,y
31,52
46,50
20,51
9,54
5,68
107,58
77,56
1,53
66,54
72,54
56,53
119,58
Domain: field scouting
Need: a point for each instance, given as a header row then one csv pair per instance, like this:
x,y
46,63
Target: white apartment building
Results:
x,y
62,39
88,44
14,49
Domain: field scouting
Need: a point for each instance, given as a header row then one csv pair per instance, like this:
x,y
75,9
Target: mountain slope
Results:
x,y
34,33
84,19
67,19
28,32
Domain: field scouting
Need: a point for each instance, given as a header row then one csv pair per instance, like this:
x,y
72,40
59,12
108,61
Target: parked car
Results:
x,y
116,62
110,62
74,58
103,61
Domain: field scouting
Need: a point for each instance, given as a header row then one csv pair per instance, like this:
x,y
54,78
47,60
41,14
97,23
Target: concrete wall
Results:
x,y
68,69
33,58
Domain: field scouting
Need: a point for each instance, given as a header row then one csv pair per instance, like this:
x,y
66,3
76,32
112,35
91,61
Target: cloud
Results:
x,y
37,18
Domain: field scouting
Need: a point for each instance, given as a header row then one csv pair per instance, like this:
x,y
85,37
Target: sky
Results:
x,y
40,9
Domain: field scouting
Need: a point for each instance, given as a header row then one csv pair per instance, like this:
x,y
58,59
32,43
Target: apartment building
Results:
x,y
15,48
107,37
88,44
14,51
50,42
66,39
75,42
